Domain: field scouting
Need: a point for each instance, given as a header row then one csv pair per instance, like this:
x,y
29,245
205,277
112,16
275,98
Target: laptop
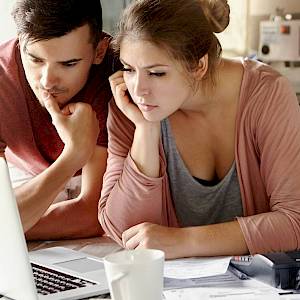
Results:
x,y
52,273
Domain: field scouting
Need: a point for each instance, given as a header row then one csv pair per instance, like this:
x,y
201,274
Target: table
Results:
x,y
101,246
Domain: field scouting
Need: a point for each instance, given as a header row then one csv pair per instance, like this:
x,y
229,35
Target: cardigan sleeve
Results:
x,y
273,158
129,197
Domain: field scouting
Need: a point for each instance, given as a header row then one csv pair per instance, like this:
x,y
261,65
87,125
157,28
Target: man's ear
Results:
x,y
201,70
101,50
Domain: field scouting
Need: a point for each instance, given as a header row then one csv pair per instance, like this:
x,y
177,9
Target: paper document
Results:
x,y
241,289
195,272
211,281
187,268
211,278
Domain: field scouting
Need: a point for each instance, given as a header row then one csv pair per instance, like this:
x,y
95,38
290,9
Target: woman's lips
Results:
x,y
146,107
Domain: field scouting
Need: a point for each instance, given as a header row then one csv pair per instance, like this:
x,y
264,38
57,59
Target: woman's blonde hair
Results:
x,y
184,28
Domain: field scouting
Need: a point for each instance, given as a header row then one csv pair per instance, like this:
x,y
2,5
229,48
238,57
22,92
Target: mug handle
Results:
x,y
115,287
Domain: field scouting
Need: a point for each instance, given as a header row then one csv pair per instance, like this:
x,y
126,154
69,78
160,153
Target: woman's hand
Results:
x,y
173,241
123,99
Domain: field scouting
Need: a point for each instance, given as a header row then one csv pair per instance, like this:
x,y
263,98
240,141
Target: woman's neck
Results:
x,y
209,96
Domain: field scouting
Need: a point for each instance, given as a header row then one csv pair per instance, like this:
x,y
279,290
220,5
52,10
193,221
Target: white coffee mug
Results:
x,y
135,274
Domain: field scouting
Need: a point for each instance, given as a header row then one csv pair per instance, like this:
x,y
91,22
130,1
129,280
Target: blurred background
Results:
x,y
267,30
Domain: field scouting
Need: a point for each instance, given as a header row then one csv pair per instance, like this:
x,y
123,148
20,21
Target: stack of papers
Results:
x,y
211,278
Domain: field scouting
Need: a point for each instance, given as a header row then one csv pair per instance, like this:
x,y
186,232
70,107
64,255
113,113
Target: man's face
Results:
x,y
60,65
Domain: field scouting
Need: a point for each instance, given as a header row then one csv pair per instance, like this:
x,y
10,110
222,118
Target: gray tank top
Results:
x,y
195,203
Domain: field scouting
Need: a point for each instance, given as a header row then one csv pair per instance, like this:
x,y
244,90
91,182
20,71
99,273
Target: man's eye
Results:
x,y
35,60
69,64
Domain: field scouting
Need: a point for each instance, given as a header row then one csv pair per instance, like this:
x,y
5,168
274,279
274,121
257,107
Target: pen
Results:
x,y
238,273
288,293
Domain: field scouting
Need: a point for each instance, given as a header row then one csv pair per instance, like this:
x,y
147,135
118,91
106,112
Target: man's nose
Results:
x,y
48,78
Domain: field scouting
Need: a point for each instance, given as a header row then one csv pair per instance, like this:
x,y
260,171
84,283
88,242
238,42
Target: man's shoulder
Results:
x,y
10,62
9,45
8,51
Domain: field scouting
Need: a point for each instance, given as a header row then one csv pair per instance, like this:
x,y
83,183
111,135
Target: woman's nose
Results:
x,y
141,87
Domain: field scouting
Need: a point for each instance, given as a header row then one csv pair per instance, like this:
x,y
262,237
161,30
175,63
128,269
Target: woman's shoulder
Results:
x,y
261,80
264,92
259,76
254,69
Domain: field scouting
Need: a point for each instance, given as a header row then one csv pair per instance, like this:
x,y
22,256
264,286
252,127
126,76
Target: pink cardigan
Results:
x,y
267,155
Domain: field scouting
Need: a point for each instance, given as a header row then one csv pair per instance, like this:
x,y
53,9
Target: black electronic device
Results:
x,y
279,269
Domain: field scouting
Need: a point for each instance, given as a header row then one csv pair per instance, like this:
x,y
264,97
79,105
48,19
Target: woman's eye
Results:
x,y
126,69
158,74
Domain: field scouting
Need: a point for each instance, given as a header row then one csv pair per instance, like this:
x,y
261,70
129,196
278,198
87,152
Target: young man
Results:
x,y
54,93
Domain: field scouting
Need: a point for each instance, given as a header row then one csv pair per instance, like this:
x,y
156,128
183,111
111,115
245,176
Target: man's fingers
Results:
x,y
50,104
68,109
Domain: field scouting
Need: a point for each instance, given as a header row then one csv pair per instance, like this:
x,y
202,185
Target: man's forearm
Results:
x,y
35,196
71,218
76,218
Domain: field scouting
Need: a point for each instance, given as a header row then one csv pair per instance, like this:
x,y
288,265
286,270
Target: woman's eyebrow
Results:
x,y
145,67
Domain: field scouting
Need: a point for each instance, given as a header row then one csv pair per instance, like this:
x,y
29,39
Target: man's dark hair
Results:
x,y
38,20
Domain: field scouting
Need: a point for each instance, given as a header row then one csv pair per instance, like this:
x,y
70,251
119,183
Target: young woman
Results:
x,y
204,152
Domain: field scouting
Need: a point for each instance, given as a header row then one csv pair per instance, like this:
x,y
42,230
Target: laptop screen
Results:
x,y
16,279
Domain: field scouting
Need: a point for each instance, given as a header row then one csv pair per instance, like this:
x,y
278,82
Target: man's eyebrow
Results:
x,y
32,55
73,60
145,67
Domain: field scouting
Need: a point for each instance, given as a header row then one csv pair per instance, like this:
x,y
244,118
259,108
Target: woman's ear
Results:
x,y
101,50
201,70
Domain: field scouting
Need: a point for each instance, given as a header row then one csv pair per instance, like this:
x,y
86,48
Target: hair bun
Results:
x,y
217,13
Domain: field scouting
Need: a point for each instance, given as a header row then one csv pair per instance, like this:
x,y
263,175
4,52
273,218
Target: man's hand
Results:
x,y
77,126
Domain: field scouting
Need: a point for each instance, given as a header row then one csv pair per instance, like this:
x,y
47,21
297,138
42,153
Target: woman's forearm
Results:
x,y
215,240
145,148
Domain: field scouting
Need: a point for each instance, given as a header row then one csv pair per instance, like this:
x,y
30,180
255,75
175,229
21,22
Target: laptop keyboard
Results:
x,y
50,281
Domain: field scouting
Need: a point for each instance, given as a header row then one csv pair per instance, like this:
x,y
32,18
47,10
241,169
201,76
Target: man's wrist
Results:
x,y
70,160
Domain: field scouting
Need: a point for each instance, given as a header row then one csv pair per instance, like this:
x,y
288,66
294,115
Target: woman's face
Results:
x,y
157,83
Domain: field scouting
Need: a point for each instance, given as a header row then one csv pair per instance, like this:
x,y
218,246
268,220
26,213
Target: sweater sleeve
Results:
x,y
275,139
2,147
128,197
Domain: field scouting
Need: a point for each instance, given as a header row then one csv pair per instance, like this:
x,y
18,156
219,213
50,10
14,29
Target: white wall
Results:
x,y
234,38
264,7
6,21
